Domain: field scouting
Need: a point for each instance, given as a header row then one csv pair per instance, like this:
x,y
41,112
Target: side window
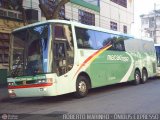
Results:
x,y
59,31
91,39
85,38
118,43
102,39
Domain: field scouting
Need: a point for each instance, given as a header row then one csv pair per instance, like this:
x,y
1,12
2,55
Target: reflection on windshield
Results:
x,y
30,51
34,58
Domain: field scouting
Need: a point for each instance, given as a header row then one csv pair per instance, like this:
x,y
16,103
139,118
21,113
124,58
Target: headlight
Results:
x,y
10,83
10,91
41,81
49,80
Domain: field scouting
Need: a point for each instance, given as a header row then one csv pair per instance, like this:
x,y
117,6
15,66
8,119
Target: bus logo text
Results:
x,y
117,58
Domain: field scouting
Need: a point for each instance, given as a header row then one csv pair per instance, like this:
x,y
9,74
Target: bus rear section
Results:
x,y
143,53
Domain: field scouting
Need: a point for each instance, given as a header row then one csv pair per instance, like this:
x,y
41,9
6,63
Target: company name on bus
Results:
x,y
117,58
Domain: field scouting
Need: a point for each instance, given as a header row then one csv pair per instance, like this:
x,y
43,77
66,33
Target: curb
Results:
x,y
4,99
4,93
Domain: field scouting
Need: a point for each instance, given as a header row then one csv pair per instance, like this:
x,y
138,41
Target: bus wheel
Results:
x,y
144,76
82,86
137,77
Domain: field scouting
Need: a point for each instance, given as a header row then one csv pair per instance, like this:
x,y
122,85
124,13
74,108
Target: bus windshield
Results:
x,y
30,51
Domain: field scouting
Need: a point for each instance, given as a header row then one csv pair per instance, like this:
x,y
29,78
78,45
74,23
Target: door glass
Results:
x,y
63,49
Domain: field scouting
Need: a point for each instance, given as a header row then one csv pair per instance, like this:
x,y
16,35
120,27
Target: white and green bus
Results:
x,y
58,57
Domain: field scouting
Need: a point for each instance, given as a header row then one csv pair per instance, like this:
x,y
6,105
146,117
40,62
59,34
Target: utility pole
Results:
x,y
155,24
31,4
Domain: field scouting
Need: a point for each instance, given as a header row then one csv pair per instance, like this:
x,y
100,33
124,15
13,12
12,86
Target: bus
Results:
x,y
157,47
57,57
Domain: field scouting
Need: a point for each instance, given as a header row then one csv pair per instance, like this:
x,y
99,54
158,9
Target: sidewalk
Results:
x,y
3,93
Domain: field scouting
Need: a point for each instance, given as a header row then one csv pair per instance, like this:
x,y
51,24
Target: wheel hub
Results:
x,y
82,86
144,78
137,77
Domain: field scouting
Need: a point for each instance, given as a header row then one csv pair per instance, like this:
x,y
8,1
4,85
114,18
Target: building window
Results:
x,y
144,21
113,26
86,17
1,3
151,22
120,2
4,48
124,28
12,4
93,2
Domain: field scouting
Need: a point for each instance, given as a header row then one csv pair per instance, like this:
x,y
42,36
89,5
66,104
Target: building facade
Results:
x,y
10,18
150,25
117,15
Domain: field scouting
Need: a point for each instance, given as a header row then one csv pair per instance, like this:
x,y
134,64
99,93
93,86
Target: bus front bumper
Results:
x,y
37,90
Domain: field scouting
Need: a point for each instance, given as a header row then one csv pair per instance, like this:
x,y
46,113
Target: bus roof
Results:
x,y
75,24
44,22
156,44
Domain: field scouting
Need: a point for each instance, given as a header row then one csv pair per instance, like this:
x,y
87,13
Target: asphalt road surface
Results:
x,y
120,98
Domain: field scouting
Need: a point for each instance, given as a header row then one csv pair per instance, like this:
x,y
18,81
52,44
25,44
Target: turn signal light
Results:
x,y
49,80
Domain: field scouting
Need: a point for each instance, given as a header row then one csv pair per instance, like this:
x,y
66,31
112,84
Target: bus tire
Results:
x,y
144,76
137,77
82,87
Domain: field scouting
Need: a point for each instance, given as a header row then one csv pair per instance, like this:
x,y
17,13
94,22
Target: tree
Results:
x,y
51,8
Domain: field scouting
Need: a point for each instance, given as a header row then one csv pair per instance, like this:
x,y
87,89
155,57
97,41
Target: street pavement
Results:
x,y
121,98
3,93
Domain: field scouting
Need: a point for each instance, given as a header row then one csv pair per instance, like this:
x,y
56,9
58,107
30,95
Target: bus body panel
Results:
x,y
107,69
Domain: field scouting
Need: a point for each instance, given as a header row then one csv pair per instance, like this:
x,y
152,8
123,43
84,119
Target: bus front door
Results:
x,y
60,57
